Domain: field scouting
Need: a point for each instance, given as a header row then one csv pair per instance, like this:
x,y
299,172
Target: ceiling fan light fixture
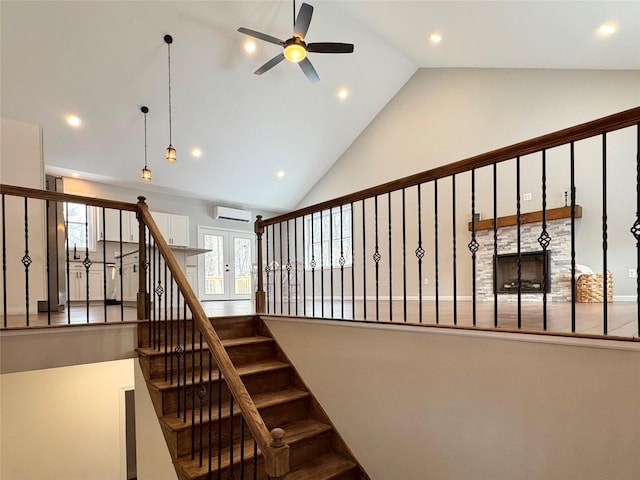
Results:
x,y
295,52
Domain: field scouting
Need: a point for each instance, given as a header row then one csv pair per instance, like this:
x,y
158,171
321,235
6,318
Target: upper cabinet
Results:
x,y
174,228
109,230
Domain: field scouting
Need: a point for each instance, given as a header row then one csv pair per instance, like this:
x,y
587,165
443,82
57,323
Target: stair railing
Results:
x,y
272,445
417,250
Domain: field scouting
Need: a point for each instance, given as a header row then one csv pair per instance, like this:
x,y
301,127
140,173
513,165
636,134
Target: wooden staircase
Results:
x,y
316,450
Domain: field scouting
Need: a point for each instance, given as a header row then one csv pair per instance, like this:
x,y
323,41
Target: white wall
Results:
x,y
416,403
21,164
64,423
445,115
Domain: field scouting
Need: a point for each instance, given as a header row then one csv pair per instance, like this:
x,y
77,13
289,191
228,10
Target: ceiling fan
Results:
x,y
295,48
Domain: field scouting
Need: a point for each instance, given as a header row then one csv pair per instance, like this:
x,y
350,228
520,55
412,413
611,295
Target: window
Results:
x,y
80,221
327,244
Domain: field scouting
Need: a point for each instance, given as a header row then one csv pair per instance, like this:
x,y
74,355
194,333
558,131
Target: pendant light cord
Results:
x,y
169,62
145,140
294,14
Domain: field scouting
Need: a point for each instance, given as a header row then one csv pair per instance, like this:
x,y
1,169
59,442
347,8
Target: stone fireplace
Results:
x,y
534,268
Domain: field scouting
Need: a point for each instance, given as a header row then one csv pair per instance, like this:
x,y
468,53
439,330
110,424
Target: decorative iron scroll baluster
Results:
x,y
275,266
184,363
87,261
573,237
404,256
295,260
166,302
435,248
544,239
122,276
495,244
171,282
193,387
635,229
66,230
26,260
4,265
209,416
364,262
420,253
201,392
219,423
390,261
377,257
455,269
304,263
178,351
104,270
518,242
605,280
473,244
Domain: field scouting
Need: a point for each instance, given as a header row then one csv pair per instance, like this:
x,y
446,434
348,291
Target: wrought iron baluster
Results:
x,y
435,248
48,247
87,261
404,256
495,244
455,267
321,266
605,279
331,258
104,263
295,259
353,267
288,269
4,264
635,229
544,239
242,440
255,460
473,245
419,253
341,262
178,350
275,266
390,261
376,258
122,277
219,424
304,263
171,282
209,426
364,262
184,363
281,268
573,237
312,264
66,231
26,260
518,243
232,475
201,392
267,269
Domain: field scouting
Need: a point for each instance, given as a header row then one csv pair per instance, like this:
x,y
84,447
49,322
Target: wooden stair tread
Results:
x,y
324,467
231,342
296,432
244,370
261,400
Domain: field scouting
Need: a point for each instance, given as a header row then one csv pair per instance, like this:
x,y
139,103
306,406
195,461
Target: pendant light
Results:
x,y
170,152
146,172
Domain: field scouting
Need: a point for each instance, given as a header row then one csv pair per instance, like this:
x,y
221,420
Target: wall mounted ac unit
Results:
x,y
234,214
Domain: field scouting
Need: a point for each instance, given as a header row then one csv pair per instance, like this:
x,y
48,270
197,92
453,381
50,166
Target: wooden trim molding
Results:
x,y
530,217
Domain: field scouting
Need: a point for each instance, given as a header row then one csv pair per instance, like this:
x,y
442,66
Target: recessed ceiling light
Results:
x,y
280,173
249,46
607,28
73,120
343,93
75,174
435,38
196,152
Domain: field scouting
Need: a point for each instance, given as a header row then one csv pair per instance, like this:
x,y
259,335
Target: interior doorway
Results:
x,y
224,273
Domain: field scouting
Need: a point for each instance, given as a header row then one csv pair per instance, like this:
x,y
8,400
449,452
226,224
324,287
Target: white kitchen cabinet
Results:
x,y
130,271
78,282
111,231
174,228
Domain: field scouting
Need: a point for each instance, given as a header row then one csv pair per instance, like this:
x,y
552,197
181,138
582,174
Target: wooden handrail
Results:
x,y
276,455
610,123
65,197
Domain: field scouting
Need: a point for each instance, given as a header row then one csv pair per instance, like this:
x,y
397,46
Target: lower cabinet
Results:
x,y
78,282
127,285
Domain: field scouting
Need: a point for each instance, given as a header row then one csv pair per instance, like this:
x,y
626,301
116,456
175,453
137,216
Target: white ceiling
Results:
x,y
103,60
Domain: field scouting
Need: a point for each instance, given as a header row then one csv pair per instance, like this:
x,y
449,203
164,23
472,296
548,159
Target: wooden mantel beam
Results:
x,y
530,217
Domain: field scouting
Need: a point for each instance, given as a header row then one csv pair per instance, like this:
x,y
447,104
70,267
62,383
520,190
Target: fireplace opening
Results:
x,y
534,268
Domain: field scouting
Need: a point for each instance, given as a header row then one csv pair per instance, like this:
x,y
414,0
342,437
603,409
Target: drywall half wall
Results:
x,y
416,403
64,423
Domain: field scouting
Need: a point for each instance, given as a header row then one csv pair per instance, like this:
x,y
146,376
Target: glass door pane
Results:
x,y
242,266
214,265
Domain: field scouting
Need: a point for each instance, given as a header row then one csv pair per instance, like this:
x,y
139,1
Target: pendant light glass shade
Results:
x,y
170,153
146,172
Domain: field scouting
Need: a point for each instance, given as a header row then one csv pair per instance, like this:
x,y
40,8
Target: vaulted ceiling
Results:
x,y
103,60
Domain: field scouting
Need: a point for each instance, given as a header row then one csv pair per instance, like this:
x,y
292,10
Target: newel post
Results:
x,y
260,295
143,296
276,463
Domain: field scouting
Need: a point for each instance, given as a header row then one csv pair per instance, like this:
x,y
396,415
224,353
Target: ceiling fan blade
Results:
x,y
330,47
301,27
309,71
270,64
261,36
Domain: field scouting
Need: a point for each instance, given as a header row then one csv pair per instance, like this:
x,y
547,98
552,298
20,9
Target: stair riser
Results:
x,y
225,328
239,355
309,449
248,467
264,382
275,416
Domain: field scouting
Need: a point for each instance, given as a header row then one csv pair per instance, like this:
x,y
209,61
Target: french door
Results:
x,y
224,273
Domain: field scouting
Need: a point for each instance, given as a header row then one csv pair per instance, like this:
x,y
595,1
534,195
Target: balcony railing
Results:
x,y
422,249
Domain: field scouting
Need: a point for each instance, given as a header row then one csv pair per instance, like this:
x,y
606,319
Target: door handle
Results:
x,y
226,268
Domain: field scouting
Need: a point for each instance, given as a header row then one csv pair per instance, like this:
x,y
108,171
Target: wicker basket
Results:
x,y
589,288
